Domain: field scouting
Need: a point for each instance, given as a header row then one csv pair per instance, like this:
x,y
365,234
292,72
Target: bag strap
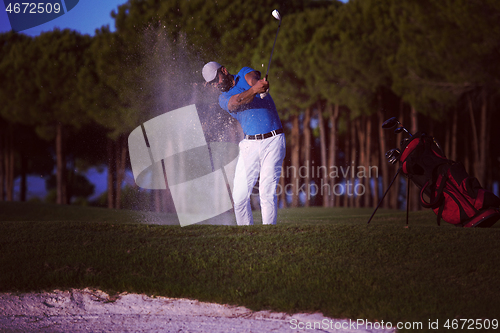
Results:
x,y
439,193
434,201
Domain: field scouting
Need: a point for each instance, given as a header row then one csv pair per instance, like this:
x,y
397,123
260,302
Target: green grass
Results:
x,y
315,259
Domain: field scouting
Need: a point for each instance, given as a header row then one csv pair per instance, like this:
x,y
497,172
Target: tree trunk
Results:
x,y
157,196
362,159
306,153
324,160
490,165
368,155
23,185
352,164
332,159
61,186
483,140
9,164
121,153
2,161
453,153
376,187
10,170
383,149
295,160
347,160
475,139
466,154
447,141
111,173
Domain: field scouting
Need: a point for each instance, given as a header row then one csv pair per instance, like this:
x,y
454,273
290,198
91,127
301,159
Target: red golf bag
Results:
x,y
451,193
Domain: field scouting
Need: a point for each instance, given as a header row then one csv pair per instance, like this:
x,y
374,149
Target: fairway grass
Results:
x,y
315,259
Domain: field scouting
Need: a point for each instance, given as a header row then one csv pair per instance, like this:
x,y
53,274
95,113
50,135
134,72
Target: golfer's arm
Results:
x,y
236,101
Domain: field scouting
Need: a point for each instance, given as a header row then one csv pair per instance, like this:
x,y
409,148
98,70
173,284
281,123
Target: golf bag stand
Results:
x,y
386,191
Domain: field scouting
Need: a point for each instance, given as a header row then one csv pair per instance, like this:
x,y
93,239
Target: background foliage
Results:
x,y
338,71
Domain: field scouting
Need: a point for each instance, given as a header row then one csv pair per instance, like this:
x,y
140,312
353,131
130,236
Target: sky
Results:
x,y
85,17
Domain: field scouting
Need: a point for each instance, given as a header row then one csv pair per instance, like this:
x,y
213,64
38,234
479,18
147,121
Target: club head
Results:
x,y
394,159
399,129
390,153
404,142
276,15
393,155
390,123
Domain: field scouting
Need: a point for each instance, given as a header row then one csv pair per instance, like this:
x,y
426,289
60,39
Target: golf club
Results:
x,y
277,16
390,123
393,155
404,142
393,122
401,129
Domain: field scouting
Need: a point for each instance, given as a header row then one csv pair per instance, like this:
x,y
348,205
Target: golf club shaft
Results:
x,y
278,17
272,51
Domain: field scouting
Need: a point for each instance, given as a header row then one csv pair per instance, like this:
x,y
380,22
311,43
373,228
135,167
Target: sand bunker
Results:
x,y
95,311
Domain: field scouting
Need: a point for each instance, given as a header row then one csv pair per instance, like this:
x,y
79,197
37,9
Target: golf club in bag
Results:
x,y
277,16
453,195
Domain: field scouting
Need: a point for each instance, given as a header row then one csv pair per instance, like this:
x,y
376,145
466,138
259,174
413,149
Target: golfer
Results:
x,y
263,148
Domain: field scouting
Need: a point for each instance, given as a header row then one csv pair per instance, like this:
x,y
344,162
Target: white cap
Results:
x,y
210,70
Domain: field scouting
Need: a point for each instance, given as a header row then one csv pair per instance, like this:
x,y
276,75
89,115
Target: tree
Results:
x,y
78,186
60,57
211,28
291,88
17,94
448,50
350,54
108,86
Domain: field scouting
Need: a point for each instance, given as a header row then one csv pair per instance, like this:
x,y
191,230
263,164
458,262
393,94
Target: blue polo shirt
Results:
x,y
259,116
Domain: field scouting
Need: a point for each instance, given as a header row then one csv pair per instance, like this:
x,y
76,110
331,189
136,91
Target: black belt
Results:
x,y
264,136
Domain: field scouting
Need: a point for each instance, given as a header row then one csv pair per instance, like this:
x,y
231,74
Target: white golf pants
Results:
x,y
264,159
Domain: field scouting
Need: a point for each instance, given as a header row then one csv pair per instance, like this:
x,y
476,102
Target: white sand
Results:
x,y
94,311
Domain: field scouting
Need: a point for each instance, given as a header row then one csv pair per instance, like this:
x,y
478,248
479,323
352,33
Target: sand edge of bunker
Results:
x,y
75,309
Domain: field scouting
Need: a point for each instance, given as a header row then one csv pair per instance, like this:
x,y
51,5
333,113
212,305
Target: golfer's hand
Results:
x,y
261,86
